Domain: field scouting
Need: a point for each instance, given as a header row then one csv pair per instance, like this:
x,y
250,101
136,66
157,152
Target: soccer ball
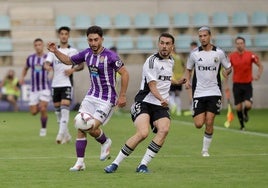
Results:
x,y
83,121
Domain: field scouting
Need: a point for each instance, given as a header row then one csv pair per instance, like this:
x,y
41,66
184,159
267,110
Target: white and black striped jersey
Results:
x,y
156,69
207,67
59,77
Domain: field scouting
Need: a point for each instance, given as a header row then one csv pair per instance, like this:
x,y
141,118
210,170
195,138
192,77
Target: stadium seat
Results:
x,y
142,21
124,43
182,42
122,21
145,42
104,21
200,19
224,41
161,20
240,19
6,44
220,19
108,42
82,21
261,40
259,19
181,20
63,20
5,23
81,43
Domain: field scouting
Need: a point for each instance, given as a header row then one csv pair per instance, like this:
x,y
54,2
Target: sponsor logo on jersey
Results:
x,y
164,78
207,68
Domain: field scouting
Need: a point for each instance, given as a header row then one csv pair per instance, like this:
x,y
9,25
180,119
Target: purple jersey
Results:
x,y
102,69
39,76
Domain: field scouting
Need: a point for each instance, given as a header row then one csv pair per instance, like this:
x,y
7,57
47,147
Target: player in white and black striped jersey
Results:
x,y
206,61
62,84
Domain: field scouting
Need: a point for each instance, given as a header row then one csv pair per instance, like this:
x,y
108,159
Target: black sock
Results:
x,y
240,118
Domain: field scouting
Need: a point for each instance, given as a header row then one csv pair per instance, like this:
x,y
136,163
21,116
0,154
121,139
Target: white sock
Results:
x,y
119,158
148,156
64,120
207,139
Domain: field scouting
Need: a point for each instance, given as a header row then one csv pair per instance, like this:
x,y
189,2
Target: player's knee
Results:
x,y
198,125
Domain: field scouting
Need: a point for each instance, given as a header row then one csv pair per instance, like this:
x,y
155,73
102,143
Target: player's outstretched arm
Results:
x,y
124,84
62,57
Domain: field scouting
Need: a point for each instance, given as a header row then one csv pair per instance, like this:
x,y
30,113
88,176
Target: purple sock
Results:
x,y
102,138
43,122
81,147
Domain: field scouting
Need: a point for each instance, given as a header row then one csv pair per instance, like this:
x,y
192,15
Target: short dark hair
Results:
x,y
65,28
242,38
95,30
168,35
113,48
37,40
193,43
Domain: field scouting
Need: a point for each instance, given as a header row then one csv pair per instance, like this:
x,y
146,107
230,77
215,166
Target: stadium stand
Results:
x,y
81,43
200,19
122,21
63,20
82,21
161,20
240,19
224,41
259,19
261,41
108,41
103,20
125,43
220,19
142,21
182,42
145,43
181,20
5,23
5,45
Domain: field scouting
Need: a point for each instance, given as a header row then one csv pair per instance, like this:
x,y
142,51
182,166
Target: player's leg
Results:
x,y
207,139
238,101
162,125
43,117
13,101
248,101
80,145
142,124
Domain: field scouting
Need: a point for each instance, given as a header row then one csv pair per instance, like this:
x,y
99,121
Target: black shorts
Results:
x,y
154,111
175,87
242,92
206,104
60,93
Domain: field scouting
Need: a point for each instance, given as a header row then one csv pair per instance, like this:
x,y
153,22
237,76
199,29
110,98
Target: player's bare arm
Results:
x,y
155,92
188,74
226,72
121,102
23,74
76,68
62,57
260,70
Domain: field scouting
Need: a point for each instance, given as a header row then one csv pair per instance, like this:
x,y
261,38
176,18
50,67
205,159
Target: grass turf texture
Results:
x,y
238,159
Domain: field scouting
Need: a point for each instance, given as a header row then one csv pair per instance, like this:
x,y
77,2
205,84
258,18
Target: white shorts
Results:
x,y
99,109
37,96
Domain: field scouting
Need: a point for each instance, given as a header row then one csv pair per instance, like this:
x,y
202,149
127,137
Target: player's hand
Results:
x,y
182,81
164,103
68,72
122,101
21,82
188,84
51,46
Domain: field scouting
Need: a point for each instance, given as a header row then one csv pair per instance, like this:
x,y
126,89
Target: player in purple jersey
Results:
x,y
101,96
40,91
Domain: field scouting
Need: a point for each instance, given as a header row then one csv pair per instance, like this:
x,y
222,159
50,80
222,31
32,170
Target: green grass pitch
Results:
x,y
238,159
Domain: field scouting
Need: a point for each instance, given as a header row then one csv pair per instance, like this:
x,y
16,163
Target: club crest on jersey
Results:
x,y
102,59
216,59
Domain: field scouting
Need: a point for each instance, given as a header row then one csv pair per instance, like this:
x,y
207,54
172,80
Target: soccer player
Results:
x,y
242,61
103,64
175,89
40,93
151,105
206,60
62,84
